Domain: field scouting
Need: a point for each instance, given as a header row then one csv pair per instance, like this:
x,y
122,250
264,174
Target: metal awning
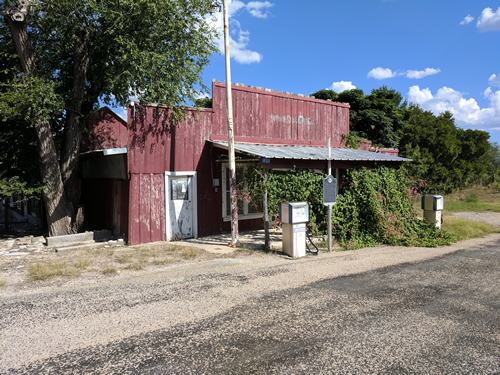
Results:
x,y
265,151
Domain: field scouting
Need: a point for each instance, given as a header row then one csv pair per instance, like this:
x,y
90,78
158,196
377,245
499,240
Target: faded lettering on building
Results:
x,y
291,120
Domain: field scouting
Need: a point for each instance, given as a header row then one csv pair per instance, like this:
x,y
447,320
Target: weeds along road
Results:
x,y
382,310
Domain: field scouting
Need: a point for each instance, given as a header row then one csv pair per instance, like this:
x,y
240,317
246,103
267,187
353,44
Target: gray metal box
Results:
x,y
432,202
294,212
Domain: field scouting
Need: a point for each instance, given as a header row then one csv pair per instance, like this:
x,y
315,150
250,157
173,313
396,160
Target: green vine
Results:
x,y
291,186
374,207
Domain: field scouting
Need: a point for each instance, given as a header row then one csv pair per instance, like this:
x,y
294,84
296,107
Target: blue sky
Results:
x,y
441,54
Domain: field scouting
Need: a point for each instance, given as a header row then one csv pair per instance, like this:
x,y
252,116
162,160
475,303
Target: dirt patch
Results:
x,y
22,269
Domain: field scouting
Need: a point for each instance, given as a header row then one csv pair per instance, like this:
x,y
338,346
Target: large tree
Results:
x,y
74,53
377,117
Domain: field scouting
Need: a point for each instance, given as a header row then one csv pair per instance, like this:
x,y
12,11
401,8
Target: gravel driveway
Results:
x,y
380,310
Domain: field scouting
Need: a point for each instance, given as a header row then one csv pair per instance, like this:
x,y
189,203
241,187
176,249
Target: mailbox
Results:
x,y
294,213
294,216
432,202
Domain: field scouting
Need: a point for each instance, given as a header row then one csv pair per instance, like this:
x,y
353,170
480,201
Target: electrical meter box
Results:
x,y
294,212
432,202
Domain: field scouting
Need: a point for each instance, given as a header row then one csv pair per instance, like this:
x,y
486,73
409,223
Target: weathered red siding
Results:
x,y
261,116
107,130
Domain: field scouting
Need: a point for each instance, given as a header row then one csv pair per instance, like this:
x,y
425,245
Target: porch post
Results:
x,y
267,246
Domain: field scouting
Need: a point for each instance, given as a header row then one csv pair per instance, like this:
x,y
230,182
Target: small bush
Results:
x,y
374,207
2,282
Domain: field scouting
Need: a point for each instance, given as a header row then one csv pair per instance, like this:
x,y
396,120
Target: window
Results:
x,y
247,209
179,189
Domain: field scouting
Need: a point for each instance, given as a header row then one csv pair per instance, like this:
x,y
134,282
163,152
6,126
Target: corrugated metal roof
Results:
x,y
308,152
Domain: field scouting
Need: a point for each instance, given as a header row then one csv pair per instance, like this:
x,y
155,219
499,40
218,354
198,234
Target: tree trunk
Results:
x,y
58,209
73,128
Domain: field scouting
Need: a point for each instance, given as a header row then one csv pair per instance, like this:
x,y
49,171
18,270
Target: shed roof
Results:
x,y
309,152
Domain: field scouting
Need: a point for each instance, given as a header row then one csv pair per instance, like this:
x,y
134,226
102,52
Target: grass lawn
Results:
x,y
463,229
477,199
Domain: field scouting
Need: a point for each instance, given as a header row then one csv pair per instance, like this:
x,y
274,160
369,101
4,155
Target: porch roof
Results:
x,y
266,151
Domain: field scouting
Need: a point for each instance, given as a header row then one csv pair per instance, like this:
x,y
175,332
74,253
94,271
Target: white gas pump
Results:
x,y
294,217
433,206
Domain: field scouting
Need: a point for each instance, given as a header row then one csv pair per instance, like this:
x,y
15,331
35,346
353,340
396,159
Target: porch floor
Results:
x,y
248,240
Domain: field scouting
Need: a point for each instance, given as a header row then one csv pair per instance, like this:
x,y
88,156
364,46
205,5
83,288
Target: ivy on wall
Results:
x,y
374,206
289,186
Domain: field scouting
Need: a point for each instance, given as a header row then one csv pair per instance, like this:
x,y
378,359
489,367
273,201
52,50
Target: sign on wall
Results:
x,y
329,189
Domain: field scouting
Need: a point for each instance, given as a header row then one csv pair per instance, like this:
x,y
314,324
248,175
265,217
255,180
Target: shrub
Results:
x,y
374,207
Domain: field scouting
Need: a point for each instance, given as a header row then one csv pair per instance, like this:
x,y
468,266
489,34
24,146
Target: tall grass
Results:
x,y
463,229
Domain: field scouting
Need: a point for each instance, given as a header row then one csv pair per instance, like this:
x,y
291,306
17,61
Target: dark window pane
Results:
x,y
179,189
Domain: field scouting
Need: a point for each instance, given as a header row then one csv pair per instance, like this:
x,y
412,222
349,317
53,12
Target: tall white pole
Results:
x,y
230,133
330,240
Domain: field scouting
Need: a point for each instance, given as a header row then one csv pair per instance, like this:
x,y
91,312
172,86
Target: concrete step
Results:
x,y
78,245
73,239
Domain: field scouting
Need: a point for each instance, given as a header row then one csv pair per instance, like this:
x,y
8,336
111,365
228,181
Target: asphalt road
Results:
x,y
437,316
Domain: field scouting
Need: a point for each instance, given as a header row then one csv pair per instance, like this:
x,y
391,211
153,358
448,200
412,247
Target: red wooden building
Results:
x,y
165,182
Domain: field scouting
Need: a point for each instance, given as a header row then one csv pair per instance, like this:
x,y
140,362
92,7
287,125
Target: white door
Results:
x,y
180,207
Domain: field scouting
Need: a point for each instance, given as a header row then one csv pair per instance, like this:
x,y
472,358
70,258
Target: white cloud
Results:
x,y
239,39
489,20
494,80
466,111
381,73
467,19
341,86
385,73
419,74
259,8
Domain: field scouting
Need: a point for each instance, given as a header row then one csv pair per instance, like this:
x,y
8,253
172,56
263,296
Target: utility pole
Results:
x,y
329,205
230,133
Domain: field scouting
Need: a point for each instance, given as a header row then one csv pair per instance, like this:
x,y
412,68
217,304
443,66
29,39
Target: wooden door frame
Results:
x,y
168,175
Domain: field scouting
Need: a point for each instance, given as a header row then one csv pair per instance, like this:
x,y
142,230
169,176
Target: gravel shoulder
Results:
x,y
48,320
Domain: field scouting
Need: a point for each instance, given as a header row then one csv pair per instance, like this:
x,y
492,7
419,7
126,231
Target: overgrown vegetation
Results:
x,y
283,186
463,229
374,207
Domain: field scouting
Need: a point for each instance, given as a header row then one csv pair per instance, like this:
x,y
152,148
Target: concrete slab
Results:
x,y
77,238
218,244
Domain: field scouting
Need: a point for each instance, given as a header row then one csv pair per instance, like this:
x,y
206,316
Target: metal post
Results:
x,y
267,246
329,205
230,133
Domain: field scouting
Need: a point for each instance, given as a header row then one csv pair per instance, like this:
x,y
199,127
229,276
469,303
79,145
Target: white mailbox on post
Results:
x,y
433,206
294,217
